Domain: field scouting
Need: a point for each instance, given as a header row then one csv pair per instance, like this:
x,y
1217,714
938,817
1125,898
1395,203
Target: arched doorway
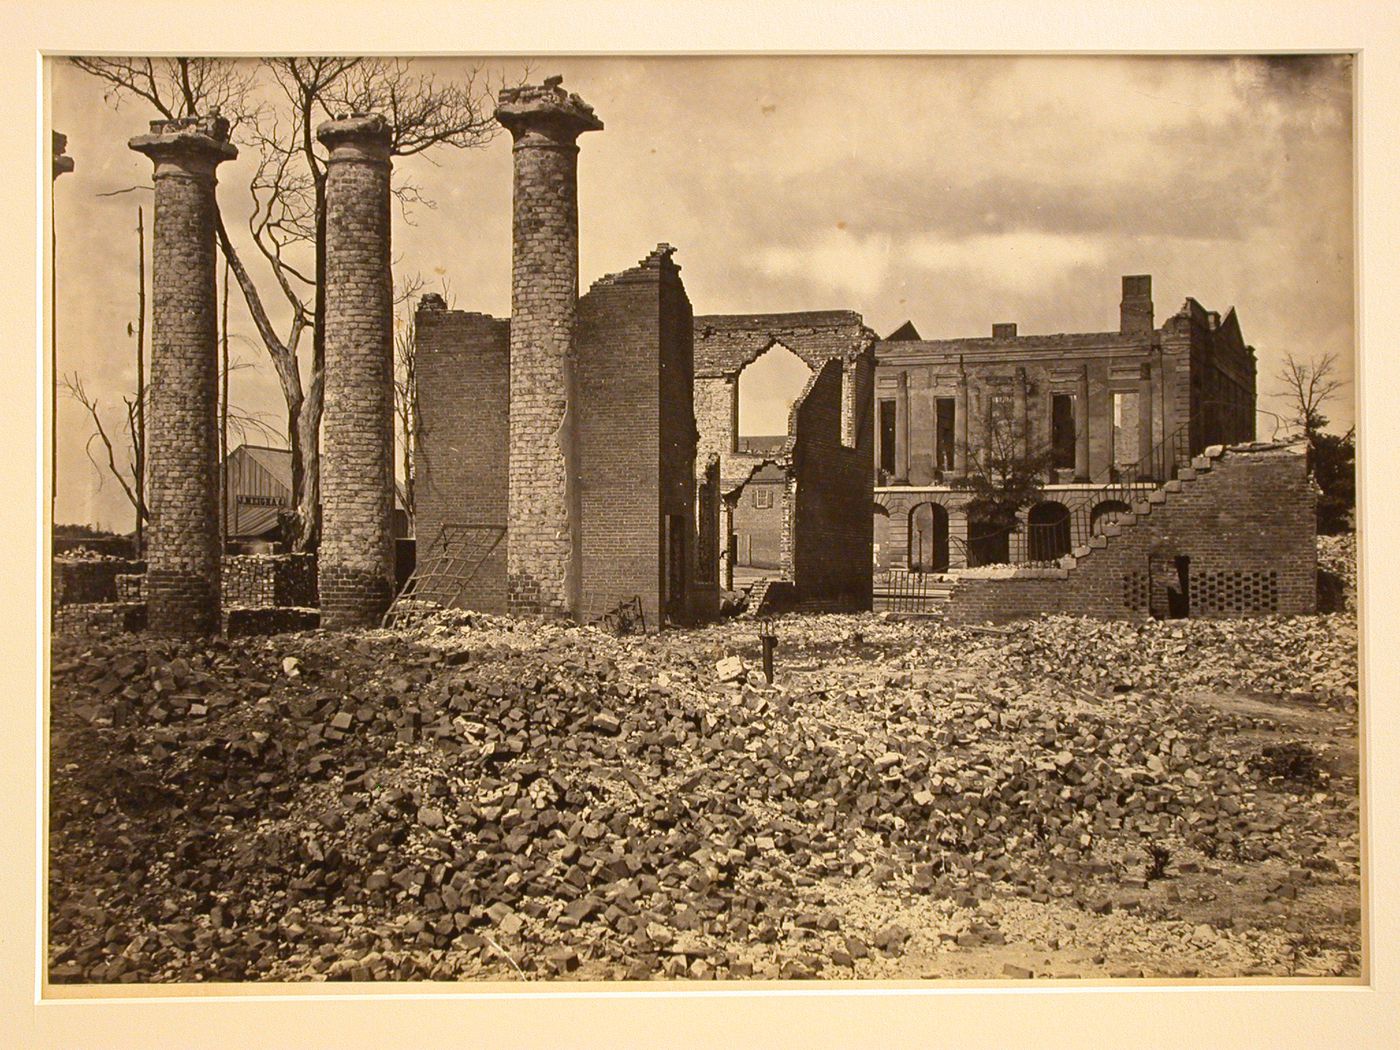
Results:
x,y
988,543
928,538
1106,513
1047,528
882,537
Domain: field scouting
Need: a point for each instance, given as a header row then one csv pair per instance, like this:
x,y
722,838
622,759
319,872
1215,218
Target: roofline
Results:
x,y
765,315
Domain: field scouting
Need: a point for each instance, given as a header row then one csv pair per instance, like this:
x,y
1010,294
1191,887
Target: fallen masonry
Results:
x,y
478,797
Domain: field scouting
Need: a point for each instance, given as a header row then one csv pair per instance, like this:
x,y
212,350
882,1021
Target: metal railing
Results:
x,y
905,591
1048,541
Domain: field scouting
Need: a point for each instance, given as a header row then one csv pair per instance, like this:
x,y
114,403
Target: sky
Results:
x,y
953,191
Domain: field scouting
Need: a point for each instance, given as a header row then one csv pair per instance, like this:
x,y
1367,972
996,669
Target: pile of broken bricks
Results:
x,y
480,797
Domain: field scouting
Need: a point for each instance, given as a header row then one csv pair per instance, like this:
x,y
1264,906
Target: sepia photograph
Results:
x,y
702,519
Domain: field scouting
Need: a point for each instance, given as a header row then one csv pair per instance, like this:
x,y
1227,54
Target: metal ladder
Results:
x,y
439,579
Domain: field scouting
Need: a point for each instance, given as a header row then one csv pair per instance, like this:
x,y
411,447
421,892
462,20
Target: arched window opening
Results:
x,y
1047,531
988,543
928,538
1106,513
768,387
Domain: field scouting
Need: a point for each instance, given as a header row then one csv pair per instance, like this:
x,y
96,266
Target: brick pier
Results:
x,y
183,546
545,550
357,476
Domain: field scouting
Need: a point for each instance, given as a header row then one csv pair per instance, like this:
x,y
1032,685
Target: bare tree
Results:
x,y
1309,386
130,475
274,107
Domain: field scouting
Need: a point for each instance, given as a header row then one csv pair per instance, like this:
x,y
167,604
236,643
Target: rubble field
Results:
x,y
479,798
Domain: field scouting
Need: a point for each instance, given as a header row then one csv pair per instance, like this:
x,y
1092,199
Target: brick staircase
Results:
x,y
758,595
1142,508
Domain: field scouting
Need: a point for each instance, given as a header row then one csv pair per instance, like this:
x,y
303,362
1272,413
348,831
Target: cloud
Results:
x,y
843,262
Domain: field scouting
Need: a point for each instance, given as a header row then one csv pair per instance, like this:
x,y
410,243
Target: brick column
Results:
x,y
1081,426
182,553
356,564
543,543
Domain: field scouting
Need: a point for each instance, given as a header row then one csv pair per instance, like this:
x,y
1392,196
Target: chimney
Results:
x,y
1004,331
1135,312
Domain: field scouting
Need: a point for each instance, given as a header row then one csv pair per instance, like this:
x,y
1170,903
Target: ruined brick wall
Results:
x,y
462,457
102,617
85,580
636,439
716,415
679,442
618,338
1220,382
1247,526
544,542
357,434
708,537
831,528
261,581
182,459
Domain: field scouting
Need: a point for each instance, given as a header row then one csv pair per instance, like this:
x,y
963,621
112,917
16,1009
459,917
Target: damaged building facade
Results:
x,y
791,510
1155,500
1110,414
590,451
589,448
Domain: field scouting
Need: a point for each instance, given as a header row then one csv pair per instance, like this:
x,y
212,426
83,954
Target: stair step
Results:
x,y
1186,474
1172,486
1110,530
1157,497
1098,542
1142,510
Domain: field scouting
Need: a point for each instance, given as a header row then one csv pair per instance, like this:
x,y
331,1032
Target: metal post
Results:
x,y
769,640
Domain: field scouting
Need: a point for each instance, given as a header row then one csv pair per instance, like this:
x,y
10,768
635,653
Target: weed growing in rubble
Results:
x,y
1295,763
1158,857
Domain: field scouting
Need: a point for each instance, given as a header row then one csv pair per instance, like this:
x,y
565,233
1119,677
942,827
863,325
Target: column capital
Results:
x,y
363,137
192,145
545,114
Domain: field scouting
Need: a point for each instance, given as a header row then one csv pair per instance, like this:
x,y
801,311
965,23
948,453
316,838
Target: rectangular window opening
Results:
x,y
887,439
946,413
1062,430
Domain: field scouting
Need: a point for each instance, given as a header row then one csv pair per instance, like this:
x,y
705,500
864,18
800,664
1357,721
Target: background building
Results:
x,y
260,488
1114,412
